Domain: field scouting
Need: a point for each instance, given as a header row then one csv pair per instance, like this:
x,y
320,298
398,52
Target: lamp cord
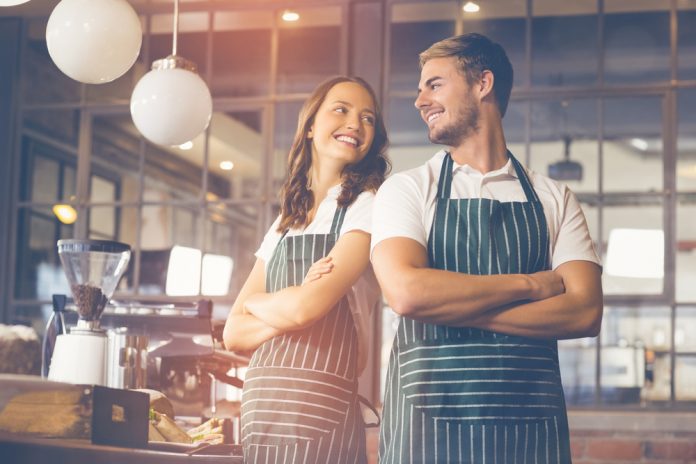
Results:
x,y
176,27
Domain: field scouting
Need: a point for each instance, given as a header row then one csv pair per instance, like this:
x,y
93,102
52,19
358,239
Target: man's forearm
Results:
x,y
452,298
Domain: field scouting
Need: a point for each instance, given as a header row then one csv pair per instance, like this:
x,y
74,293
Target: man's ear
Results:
x,y
486,83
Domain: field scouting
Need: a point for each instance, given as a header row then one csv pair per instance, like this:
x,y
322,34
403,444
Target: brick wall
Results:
x,y
600,437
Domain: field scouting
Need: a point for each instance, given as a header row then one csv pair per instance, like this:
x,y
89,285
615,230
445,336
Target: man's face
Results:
x,y
446,102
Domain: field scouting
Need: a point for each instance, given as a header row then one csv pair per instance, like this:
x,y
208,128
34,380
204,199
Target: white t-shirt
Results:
x,y
365,295
405,205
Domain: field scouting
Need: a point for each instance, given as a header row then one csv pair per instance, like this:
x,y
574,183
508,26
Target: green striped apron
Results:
x,y
459,394
299,402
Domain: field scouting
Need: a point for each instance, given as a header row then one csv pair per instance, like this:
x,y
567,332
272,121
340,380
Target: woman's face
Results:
x,y
344,126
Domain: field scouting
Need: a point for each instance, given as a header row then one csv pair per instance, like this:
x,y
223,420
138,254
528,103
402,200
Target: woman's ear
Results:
x,y
310,132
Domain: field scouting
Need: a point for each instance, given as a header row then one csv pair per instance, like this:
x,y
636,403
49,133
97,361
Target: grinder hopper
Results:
x,y
93,269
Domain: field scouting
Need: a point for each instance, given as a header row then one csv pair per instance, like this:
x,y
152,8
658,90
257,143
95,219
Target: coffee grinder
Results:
x,y
93,269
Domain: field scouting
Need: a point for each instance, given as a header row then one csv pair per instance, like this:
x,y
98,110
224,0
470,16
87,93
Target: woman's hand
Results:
x,y
318,269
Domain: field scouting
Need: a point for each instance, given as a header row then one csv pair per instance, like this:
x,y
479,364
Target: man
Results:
x,y
463,248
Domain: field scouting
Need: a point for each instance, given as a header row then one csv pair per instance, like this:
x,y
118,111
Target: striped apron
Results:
x,y
299,403
468,395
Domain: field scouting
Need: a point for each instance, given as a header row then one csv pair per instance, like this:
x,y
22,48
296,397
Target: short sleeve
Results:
x,y
359,214
573,241
398,211
269,243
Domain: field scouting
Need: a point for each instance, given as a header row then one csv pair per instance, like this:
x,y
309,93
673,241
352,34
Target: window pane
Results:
x,y
241,53
414,28
637,47
309,49
192,38
285,127
628,229
102,222
174,173
685,343
564,146
45,179
60,125
686,141
635,359
38,273
232,233
578,361
235,155
685,275
43,81
564,50
509,32
687,44
633,154
408,136
515,126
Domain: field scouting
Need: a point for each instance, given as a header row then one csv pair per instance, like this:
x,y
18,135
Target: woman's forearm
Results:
x,y
245,332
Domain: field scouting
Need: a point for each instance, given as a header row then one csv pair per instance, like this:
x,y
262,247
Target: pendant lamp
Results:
x,y
171,104
94,41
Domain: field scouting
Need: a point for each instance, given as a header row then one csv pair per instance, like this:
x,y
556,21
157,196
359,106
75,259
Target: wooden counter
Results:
x,y
21,449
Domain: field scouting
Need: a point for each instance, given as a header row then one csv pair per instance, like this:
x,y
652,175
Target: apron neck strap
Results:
x,y
444,185
337,222
524,179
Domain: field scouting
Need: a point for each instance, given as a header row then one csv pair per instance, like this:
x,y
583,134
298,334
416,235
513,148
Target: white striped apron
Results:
x,y
299,403
468,395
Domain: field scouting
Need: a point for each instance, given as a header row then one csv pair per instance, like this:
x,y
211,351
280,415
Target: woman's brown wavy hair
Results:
x,y
296,200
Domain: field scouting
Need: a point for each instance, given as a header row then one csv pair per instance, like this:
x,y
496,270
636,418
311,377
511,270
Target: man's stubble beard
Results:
x,y
464,126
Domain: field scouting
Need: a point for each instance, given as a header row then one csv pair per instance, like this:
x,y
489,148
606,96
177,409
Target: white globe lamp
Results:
x,y
171,104
94,41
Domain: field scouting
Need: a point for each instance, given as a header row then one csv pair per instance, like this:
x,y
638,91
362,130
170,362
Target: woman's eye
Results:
x,y
341,109
369,119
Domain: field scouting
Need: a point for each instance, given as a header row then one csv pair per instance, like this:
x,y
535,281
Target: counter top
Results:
x,y
22,449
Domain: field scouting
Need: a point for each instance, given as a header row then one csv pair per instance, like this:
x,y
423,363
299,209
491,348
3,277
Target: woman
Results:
x,y
305,305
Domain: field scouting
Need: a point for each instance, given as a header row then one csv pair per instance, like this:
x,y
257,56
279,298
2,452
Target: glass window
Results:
x,y
687,44
564,50
685,345
285,126
241,53
635,354
174,173
634,257
235,155
231,235
37,268
43,82
508,29
578,361
414,28
515,127
633,153
409,146
309,50
192,39
685,275
60,125
686,141
564,142
636,45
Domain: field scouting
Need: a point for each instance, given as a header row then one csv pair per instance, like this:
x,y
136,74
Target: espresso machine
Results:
x,y
93,269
